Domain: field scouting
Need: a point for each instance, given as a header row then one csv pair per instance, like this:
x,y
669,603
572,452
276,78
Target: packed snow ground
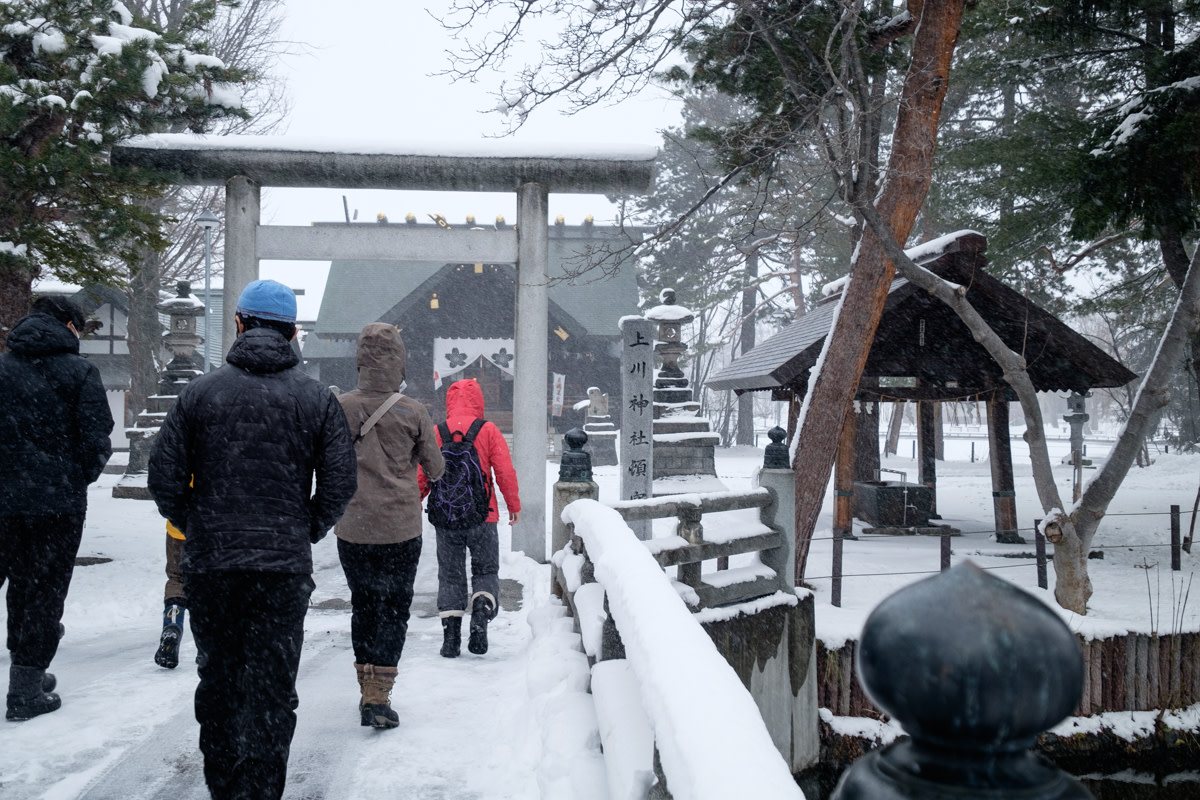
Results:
x,y
514,723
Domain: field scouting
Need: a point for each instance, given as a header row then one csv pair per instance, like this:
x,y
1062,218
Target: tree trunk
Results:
x,y
893,435
145,334
939,432
1151,396
745,427
16,295
847,344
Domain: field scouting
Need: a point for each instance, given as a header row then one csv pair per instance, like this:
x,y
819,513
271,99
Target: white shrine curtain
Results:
x,y
451,356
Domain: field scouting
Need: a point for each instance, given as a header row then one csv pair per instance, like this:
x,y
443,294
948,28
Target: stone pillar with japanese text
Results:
x,y
637,414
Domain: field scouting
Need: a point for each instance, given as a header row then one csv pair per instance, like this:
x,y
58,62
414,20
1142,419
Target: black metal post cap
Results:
x,y
575,466
973,668
775,455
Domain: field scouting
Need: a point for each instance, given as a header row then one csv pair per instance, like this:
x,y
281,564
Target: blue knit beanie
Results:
x,y
268,300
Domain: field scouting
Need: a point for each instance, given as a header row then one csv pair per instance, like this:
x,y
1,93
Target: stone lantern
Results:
x,y
683,440
181,340
671,317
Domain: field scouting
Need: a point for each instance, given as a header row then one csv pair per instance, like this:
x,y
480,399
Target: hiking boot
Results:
x,y
167,654
26,698
376,683
481,613
451,636
380,715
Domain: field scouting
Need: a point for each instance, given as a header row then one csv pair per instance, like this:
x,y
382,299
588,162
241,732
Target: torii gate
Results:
x,y
245,164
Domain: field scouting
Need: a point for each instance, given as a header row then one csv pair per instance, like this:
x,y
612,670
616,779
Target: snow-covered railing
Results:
x,y
708,732
692,544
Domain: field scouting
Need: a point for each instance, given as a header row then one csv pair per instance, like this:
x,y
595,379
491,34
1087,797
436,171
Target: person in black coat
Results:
x,y
54,441
232,468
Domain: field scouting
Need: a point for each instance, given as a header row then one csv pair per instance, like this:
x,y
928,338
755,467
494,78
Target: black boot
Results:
x,y
167,654
451,636
26,699
481,614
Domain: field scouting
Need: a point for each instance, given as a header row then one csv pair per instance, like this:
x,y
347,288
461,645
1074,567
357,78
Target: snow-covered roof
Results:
x,y
343,163
918,337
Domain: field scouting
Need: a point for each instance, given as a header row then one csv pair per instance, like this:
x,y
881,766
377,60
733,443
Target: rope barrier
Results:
x,y
911,572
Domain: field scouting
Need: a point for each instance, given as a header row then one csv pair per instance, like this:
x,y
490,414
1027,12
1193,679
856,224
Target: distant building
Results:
x,y
458,320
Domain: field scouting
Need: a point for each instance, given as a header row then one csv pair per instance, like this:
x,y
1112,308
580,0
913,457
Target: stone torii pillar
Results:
x,y
243,204
245,165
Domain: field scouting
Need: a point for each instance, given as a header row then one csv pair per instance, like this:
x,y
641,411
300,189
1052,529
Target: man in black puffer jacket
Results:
x,y
54,441
232,468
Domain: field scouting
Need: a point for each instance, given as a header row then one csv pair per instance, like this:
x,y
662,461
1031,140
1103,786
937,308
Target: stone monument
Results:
x,y
601,432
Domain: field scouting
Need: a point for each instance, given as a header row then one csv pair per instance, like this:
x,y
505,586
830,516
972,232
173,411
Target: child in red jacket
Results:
x,y
464,404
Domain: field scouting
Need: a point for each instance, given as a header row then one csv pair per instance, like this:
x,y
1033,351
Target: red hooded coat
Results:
x,y
464,405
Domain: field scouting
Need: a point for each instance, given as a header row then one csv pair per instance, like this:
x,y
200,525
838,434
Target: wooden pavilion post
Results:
x,y
927,451
843,478
1004,496
866,437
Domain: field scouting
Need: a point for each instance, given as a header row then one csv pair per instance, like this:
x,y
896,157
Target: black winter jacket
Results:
x,y
233,464
54,421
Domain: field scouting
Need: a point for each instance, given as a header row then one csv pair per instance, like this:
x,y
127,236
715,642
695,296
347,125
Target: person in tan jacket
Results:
x,y
379,536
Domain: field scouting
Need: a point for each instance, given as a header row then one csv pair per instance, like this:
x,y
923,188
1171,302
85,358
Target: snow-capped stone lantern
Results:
x,y
181,339
683,440
671,317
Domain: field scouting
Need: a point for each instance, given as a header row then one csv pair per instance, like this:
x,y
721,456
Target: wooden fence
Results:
x,y
1135,672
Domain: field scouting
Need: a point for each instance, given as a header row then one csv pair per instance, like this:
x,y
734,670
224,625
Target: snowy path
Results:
x,y
516,724
126,729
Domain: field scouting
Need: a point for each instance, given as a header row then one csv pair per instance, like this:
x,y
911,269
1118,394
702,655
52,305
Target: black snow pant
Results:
x,y
380,577
37,557
248,628
484,543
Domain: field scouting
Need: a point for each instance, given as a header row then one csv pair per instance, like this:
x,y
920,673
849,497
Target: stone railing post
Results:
x,y
800,727
777,476
973,669
574,483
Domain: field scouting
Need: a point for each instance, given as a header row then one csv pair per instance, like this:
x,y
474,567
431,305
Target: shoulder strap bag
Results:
x,y
378,415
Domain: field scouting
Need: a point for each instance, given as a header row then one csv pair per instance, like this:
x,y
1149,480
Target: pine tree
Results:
x,y
77,76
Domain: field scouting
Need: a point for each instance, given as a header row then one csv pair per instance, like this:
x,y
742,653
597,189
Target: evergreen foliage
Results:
x,y
77,76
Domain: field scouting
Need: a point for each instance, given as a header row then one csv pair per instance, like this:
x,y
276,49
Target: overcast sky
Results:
x,y
367,75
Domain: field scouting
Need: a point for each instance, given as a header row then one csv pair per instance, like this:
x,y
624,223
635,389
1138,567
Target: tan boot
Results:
x,y
361,669
376,683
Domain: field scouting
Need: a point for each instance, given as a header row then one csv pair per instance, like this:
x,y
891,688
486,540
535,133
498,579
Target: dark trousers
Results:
x,y
248,628
484,543
37,557
381,579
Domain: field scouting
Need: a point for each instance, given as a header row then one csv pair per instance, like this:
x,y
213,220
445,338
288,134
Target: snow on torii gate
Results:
x,y
245,164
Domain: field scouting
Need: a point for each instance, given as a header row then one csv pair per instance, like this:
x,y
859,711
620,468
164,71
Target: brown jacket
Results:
x,y
387,507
